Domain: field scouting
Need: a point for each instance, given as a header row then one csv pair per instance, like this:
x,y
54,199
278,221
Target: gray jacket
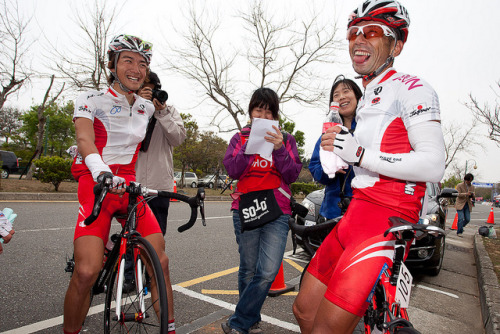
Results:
x,y
154,168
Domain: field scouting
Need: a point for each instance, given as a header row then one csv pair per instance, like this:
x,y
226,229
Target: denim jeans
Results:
x,y
463,218
261,252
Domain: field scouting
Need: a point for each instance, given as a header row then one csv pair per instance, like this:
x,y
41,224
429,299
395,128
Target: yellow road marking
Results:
x,y
219,292
208,277
235,292
295,265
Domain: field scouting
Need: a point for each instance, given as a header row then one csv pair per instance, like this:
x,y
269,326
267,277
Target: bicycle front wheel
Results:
x,y
144,309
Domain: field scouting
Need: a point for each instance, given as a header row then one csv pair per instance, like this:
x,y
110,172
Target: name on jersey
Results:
x,y
409,80
84,108
262,163
418,109
390,159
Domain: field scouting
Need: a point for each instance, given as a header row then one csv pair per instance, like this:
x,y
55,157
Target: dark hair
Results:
x,y
154,80
340,79
265,98
468,177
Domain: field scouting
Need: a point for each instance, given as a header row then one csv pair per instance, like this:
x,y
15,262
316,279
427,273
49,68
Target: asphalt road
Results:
x,y
204,264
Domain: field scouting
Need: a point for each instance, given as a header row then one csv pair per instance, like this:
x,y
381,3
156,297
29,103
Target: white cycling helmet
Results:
x,y
131,43
389,12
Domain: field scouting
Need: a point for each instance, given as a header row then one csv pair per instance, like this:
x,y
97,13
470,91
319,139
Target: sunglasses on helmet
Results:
x,y
369,31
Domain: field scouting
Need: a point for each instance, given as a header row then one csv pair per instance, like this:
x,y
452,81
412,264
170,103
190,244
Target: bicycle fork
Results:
x,y
141,291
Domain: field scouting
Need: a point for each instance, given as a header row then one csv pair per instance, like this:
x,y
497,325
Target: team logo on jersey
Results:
x,y
418,109
410,188
140,111
142,106
409,80
377,90
115,110
84,108
375,101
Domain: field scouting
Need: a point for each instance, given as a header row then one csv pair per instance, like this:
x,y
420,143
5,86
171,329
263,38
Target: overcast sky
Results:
x,y
452,45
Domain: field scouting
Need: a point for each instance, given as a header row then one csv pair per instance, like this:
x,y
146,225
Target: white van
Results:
x,y
190,179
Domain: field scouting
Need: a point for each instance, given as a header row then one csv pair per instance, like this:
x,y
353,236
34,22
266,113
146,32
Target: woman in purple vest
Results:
x,y
261,209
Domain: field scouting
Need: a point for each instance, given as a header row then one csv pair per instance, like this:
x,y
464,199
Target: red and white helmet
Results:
x,y
131,43
389,12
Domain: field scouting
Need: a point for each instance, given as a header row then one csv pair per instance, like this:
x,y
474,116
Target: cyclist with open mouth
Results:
x,y
398,145
110,125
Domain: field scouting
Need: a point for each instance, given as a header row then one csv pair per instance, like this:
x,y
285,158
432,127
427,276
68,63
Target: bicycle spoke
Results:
x,y
132,319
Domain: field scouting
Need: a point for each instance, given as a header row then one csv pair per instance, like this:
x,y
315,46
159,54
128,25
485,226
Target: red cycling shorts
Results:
x,y
351,257
112,204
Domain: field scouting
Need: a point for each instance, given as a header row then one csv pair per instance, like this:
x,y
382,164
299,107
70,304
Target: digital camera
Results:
x,y
160,95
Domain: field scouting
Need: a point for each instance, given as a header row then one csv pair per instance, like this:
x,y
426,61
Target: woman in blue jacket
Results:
x,y
347,93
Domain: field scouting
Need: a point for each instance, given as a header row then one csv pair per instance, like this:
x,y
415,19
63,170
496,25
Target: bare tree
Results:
x,y
14,70
10,122
278,56
459,140
84,64
42,119
487,115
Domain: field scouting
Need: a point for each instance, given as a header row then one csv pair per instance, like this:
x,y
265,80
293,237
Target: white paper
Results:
x,y
256,143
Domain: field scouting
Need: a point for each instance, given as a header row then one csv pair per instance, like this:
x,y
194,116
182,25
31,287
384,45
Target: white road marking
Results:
x,y
436,290
276,322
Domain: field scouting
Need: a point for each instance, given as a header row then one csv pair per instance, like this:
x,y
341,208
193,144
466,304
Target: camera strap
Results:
x,y
149,133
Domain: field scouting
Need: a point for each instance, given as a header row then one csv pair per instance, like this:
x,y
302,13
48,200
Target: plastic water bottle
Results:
x,y
333,117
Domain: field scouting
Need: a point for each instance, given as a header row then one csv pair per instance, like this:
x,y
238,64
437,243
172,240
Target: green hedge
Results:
x,y
53,170
304,188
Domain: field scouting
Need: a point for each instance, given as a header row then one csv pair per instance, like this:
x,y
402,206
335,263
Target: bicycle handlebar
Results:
x,y
102,188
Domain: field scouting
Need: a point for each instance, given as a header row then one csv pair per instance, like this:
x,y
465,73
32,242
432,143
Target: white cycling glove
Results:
x,y
347,147
118,182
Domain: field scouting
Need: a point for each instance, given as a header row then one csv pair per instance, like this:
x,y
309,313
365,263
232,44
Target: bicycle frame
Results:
x,y
111,277
385,315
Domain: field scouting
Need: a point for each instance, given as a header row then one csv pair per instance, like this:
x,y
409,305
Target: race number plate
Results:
x,y
403,287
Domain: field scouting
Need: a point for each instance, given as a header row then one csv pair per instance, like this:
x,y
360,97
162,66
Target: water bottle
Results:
x,y
107,250
333,117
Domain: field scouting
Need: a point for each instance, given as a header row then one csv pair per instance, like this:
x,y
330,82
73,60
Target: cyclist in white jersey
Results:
x,y
110,125
397,146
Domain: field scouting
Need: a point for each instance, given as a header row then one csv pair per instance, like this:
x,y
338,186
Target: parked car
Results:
x,y
190,179
425,254
209,181
10,163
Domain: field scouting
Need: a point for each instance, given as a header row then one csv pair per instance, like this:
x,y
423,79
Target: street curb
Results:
x,y
489,289
70,197
6,196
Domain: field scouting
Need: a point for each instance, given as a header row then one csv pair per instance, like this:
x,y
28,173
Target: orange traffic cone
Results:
x,y
279,287
455,221
175,191
491,218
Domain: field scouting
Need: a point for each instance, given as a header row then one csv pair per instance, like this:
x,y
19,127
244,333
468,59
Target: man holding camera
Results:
x,y
154,167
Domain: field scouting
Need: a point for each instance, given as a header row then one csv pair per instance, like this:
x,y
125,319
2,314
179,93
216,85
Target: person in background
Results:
x,y
155,165
261,247
347,93
464,203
